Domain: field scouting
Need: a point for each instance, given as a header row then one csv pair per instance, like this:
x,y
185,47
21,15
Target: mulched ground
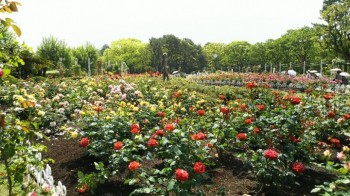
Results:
x,y
230,174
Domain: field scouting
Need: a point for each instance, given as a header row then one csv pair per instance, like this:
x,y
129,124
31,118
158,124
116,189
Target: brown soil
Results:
x,y
229,176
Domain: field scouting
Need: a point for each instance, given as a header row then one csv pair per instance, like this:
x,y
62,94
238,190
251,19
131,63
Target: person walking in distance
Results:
x,y
165,66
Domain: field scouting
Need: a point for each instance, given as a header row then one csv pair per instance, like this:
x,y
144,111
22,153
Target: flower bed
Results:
x,y
125,124
275,81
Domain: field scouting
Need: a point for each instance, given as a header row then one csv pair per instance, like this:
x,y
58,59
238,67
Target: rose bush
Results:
x,y
181,125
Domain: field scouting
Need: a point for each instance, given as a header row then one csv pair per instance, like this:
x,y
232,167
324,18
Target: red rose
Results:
x,y
198,136
83,188
260,107
210,145
158,73
221,97
98,109
250,85
322,145
346,116
294,139
298,167
248,121
84,142
153,136
271,154
295,100
118,145
160,132
161,114
1,73
135,128
243,107
241,136
151,73
331,114
201,112
134,165
256,130
176,95
152,143
327,96
169,127
181,175
135,131
224,110
199,167
335,142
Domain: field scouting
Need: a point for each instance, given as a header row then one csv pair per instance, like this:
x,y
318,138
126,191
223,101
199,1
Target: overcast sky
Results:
x,y
101,22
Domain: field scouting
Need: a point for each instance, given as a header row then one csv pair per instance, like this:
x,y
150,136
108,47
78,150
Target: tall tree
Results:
x,y
301,46
85,54
172,45
55,51
182,53
192,56
236,55
155,46
336,31
213,53
131,51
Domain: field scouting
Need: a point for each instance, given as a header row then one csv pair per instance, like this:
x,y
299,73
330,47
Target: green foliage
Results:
x,y
89,182
10,49
181,53
9,7
237,54
214,53
76,69
336,30
300,45
56,51
130,51
83,53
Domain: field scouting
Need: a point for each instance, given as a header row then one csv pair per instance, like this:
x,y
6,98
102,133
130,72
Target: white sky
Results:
x,y
101,22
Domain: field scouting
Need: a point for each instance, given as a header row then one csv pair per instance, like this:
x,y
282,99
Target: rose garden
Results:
x,y
141,136
171,117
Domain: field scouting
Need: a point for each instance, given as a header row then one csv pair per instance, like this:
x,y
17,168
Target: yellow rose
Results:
x,y
121,113
20,99
327,153
41,113
73,134
153,108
